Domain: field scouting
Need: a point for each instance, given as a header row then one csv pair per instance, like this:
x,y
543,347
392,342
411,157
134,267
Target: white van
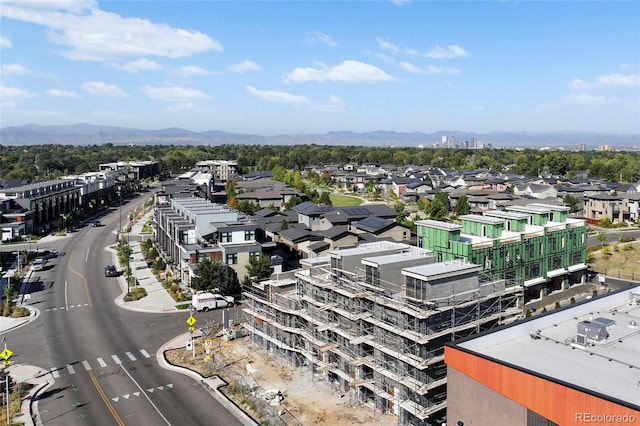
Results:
x,y
206,301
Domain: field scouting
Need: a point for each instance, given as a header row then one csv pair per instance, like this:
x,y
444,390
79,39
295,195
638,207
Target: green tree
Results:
x,y
259,266
440,207
247,207
401,212
325,199
462,206
572,202
213,274
602,237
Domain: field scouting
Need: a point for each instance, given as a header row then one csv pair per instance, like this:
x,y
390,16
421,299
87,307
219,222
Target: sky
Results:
x,y
310,67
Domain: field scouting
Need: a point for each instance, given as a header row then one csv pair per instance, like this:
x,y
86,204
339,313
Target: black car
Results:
x,y
97,223
110,271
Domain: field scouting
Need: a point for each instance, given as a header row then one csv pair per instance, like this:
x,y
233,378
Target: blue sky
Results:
x,y
302,67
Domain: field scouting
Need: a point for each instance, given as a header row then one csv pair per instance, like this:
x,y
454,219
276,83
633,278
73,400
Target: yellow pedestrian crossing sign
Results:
x,y
6,362
191,328
191,320
6,354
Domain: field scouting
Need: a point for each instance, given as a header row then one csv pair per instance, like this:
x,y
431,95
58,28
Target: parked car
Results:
x,y
110,271
96,223
206,301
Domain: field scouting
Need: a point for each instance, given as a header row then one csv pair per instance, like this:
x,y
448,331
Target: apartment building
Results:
x,y
43,203
536,246
373,321
571,366
605,206
187,230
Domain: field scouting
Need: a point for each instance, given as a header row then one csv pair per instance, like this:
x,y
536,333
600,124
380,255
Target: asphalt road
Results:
x,y
101,358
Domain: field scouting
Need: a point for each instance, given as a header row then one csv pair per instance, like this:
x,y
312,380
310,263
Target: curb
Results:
x,y
212,385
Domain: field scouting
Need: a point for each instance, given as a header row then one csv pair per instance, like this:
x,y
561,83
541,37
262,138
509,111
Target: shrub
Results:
x,y
573,300
137,293
557,306
527,313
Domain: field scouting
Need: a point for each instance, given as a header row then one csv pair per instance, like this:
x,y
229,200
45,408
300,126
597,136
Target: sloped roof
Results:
x,y
375,224
335,232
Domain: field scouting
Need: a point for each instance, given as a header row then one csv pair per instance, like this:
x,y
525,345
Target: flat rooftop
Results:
x,y
548,346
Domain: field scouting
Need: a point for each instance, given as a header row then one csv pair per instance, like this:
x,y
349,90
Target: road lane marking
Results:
x,y
146,396
66,296
82,277
86,365
71,369
116,359
105,399
101,362
130,355
145,353
55,373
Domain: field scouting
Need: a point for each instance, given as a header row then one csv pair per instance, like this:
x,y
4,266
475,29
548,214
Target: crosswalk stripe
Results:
x,y
101,362
130,355
145,353
116,359
86,365
55,373
71,369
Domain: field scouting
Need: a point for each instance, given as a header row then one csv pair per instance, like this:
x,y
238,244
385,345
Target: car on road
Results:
x,y
38,264
96,223
110,271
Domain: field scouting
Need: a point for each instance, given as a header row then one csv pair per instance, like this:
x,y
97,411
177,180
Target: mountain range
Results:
x,y
88,134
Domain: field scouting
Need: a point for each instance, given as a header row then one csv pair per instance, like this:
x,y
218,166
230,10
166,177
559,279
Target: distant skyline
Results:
x,y
308,67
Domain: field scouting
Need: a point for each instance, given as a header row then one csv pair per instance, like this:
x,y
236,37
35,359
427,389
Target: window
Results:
x,y
225,237
254,254
232,259
250,235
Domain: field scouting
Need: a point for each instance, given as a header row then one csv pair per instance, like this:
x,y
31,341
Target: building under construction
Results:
x,y
373,321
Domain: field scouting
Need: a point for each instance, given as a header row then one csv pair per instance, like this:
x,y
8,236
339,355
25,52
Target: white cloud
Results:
x,y
59,93
14,69
7,92
102,88
320,37
387,45
607,80
174,93
91,34
244,66
191,70
138,65
333,104
183,106
451,51
348,71
276,96
585,98
430,69
5,42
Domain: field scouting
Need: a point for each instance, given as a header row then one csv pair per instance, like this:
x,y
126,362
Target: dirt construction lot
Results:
x,y
245,366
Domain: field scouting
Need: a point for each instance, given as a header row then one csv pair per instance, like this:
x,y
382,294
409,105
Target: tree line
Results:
x,y
41,162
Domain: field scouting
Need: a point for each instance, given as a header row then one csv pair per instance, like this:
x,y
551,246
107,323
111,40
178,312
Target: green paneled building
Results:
x,y
535,246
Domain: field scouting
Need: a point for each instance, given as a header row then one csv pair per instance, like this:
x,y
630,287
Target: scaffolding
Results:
x,y
384,350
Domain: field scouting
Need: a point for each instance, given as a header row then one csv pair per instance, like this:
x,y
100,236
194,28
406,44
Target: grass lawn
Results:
x,y
344,200
614,259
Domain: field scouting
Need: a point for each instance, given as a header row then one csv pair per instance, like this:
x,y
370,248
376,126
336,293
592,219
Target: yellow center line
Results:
x,y
82,277
105,399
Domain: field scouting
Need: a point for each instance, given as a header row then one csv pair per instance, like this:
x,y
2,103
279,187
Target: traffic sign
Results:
x,y
7,362
191,320
191,328
6,353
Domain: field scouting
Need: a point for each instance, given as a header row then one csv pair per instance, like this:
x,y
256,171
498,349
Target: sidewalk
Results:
x,y
157,298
